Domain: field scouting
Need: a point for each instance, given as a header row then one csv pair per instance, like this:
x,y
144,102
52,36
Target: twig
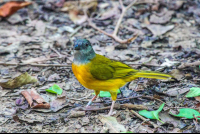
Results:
x,y
184,65
76,30
117,106
152,98
144,119
79,99
60,55
114,34
4,122
110,100
61,65
130,98
38,65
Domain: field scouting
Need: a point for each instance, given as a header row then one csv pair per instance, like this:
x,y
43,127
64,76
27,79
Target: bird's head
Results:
x,y
83,51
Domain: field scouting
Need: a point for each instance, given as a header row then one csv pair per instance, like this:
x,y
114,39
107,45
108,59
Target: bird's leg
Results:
x,y
90,102
114,98
111,109
96,94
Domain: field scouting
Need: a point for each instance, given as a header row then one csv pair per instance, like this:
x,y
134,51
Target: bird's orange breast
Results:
x,y
82,73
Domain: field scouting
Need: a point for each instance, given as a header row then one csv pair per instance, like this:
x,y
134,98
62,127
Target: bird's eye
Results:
x,y
86,44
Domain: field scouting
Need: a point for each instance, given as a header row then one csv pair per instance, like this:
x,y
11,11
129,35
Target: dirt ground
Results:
x,y
38,39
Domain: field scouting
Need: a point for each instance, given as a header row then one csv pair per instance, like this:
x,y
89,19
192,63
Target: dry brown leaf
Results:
x,y
41,106
76,9
158,30
197,98
28,97
161,18
36,96
76,114
19,81
177,74
112,123
12,7
33,95
76,18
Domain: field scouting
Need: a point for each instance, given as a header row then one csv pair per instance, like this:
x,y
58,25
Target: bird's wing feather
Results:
x,y
103,68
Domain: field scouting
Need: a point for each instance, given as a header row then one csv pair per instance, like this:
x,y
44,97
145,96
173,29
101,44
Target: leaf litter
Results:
x,y
168,36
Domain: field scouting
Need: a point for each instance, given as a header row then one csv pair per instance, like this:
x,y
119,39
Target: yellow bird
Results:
x,y
99,73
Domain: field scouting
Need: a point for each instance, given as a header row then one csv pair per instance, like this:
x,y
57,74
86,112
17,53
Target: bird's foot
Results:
x,y
111,113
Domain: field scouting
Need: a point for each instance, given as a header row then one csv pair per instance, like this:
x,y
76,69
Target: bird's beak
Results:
x,y
76,47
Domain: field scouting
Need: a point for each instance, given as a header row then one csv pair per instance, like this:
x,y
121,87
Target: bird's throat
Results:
x,y
81,58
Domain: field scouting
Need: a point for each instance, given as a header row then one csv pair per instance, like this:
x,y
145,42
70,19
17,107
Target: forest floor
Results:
x,y
38,39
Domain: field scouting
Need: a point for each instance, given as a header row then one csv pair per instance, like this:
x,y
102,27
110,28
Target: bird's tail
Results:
x,y
152,75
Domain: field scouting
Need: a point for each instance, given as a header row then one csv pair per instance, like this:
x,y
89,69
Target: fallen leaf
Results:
x,y
144,129
173,5
175,130
41,106
194,91
54,77
134,22
162,17
55,89
36,96
112,124
76,114
32,118
19,101
19,81
158,30
176,91
33,95
76,8
110,13
197,98
187,113
58,104
152,114
27,97
11,7
177,74
165,117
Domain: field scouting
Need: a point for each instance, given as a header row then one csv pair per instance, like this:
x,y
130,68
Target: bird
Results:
x,y
100,73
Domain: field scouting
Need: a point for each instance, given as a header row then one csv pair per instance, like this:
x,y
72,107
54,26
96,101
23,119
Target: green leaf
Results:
x,y
106,93
152,114
55,89
187,113
194,91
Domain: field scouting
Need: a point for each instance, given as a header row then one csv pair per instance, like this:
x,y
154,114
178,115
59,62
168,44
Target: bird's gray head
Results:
x,y
83,51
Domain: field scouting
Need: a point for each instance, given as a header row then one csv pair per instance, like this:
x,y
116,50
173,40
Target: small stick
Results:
x,y
60,55
130,98
184,65
38,65
114,34
117,106
144,119
152,98
76,30
58,65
